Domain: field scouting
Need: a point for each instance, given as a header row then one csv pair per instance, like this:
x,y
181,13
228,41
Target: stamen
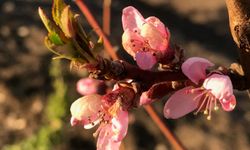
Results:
x,y
215,106
113,109
202,104
202,93
205,112
95,134
210,108
207,105
194,90
89,119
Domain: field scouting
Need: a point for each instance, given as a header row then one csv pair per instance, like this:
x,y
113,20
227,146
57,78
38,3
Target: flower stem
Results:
x,y
106,16
165,130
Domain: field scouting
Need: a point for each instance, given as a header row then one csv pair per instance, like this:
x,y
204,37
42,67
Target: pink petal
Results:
x,y
132,42
104,141
220,85
228,104
132,19
145,60
155,39
119,125
195,68
74,121
159,26
144,99
86,109
181,103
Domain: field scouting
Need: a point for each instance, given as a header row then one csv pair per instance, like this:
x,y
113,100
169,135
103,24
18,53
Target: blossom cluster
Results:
x,y
147,41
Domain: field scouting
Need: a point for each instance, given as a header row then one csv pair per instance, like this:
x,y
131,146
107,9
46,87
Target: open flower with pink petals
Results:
x,y
215,89
147,40
109,111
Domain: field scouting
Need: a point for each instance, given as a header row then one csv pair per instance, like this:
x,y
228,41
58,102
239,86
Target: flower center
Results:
x,y
207,101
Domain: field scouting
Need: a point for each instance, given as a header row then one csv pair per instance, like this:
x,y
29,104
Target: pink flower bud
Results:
x,y
87,86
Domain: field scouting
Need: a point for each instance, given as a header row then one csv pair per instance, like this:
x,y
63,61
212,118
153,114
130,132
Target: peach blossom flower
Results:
x,y
215,88
106,111
147,40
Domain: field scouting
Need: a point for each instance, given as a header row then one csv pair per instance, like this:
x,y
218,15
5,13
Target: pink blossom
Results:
x,y
195,68
86,110
91,110
87,86
147,40
214,88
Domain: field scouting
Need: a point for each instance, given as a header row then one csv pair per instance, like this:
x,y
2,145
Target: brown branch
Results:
x,y
119,70
239,20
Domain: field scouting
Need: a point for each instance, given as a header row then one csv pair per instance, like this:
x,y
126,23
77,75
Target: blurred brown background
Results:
x,y
26,82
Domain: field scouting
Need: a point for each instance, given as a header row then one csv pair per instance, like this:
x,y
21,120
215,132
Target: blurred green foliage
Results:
x,y
49,133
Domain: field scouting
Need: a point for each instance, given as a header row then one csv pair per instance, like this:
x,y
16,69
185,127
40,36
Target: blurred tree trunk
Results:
x,y
239,20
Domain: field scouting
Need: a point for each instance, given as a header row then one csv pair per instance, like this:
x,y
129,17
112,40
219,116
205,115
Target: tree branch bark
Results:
x,y
239,20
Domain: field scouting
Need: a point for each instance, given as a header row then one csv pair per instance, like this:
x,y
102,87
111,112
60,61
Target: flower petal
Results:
x,y
156,40
220,85
228,104
132,42
104,141
159,26
119,125
73,121
195,68
86,109
181,103
145,60
132,19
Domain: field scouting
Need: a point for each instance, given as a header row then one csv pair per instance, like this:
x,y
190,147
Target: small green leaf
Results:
x,y
55,38
66,50
55,34
57,8
50,26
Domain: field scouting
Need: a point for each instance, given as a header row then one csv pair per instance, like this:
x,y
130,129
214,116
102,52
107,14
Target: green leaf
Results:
x,y
55,34
50,26
66,50
57,8
67,22
55,38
